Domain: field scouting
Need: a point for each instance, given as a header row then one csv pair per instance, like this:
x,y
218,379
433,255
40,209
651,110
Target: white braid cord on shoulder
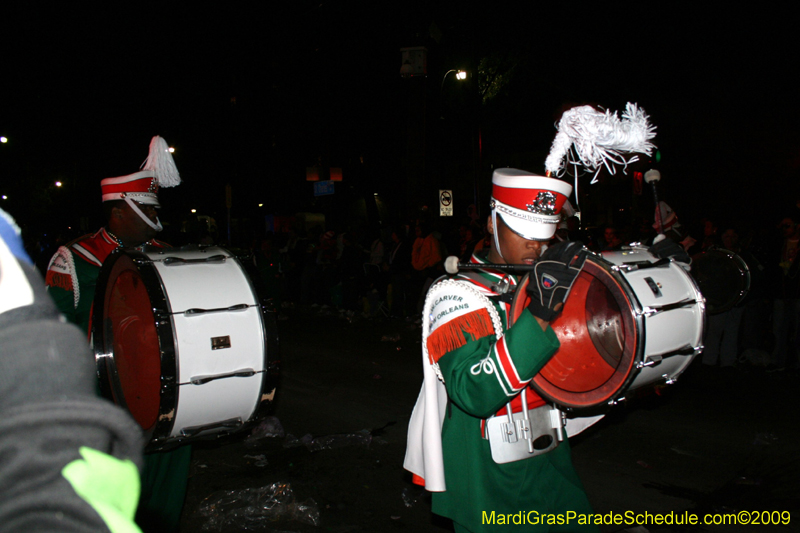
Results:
x,y
73,273
426,319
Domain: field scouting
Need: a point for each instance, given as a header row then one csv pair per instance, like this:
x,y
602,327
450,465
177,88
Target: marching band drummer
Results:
x,y
483,366
129,205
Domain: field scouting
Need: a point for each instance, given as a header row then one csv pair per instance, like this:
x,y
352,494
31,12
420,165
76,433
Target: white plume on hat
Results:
x,y
599,139
159,161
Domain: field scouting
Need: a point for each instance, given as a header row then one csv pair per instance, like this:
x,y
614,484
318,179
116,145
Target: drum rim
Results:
x,y
541,384
744,268
104,357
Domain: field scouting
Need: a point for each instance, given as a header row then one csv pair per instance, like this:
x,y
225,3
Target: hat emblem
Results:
x,y
153,186
544,204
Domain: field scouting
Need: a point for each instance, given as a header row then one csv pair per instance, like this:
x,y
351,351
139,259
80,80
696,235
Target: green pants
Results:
x,y
164,479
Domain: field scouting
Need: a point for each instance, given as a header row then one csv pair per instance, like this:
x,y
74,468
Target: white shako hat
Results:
x,y
529,204
142,187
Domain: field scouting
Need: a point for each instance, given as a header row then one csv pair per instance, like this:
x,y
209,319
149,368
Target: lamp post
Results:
x,y
475,132
460,75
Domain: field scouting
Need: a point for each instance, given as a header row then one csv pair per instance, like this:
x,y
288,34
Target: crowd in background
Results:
x,y
363,271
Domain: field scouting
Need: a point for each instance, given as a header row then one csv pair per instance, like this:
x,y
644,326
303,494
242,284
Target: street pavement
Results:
x,y
718,442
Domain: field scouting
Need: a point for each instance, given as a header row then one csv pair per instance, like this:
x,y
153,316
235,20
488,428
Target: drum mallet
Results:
x,y
652,177
452,266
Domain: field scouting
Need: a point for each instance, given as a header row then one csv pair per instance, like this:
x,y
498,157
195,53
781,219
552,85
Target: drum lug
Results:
x,y
174,261
202,380
647,312
652,360
199,311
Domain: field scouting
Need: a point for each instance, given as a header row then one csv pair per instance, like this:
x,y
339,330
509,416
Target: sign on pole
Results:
x,y
445,203
323,188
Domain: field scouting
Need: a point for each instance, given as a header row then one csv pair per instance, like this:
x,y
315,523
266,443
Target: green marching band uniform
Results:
x,y
487,472
71,279
481,374
478,361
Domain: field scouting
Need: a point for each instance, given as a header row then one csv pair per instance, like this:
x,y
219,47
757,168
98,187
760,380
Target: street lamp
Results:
x,y
460,75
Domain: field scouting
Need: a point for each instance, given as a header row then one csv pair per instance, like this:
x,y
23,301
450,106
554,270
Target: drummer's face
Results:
x,y
516,250
136,230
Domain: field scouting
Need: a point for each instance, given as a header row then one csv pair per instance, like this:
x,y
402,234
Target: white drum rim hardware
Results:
x,y
162,434
636,364
745,277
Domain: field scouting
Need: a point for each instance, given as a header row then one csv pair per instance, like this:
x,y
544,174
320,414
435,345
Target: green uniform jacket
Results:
x,y
481,376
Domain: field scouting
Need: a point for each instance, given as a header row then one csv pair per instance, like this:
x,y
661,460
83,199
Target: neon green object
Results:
x,y
109,485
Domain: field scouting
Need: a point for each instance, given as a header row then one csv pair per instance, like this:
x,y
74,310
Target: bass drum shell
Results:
x,y
629,321
183,342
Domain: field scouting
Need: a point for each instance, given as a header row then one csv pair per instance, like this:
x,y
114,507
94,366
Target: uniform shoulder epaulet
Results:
x,y
94,247
456,312
61,273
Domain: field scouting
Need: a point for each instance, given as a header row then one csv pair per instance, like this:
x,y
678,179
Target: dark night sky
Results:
x,y
84,90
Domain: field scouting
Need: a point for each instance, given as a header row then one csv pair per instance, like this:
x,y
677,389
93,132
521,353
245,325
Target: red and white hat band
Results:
x,y
140,186
531,193
529,204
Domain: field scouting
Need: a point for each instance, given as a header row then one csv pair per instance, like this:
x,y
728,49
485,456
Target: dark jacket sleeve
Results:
x,y
58,441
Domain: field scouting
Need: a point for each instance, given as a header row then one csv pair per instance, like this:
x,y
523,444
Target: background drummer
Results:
x,y
72,273
129,206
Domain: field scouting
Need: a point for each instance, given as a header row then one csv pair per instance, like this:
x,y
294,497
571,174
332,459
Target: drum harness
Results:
x,y
530,432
